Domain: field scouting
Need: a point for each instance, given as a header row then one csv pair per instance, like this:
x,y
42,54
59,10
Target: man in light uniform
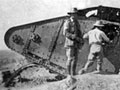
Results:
x,y
73,41
95,37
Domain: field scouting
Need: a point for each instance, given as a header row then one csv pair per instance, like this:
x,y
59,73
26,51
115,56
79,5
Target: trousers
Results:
x,y
72,57
96,53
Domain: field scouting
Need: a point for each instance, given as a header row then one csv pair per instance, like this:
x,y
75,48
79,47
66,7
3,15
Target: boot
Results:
x,y
69,82
99,66
82,71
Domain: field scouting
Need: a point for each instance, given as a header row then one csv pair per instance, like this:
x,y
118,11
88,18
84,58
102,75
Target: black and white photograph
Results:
x,y
59,45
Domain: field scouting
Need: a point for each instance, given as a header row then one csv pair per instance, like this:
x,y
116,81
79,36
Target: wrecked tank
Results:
x,y
42,42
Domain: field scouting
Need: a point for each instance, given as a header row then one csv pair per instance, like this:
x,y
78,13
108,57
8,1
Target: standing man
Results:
x,y
73,41
95,37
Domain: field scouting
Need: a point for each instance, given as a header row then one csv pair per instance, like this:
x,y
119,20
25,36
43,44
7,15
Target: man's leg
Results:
x,y
74,61
69,59
99,66
95,53
89,63
73,67
68,66
99,60
70,80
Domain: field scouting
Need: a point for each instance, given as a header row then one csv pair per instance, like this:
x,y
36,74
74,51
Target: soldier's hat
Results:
x,y
73,11
99,24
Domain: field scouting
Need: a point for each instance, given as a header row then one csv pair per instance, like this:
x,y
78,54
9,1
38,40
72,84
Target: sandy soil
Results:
x,y
84,82
35,79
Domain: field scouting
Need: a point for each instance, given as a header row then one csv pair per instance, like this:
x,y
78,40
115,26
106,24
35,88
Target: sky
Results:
x,y
19,12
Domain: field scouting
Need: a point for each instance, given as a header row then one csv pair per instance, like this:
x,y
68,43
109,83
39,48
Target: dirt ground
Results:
x,y
29,78
89,81
38,78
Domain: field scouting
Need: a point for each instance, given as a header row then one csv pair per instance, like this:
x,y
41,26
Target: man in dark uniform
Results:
x,y
73,42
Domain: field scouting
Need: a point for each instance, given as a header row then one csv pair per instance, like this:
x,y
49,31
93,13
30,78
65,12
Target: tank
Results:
x,y
42,42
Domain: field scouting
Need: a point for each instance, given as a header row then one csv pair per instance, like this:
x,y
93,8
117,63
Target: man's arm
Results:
x,y
66,27
104,37
85,36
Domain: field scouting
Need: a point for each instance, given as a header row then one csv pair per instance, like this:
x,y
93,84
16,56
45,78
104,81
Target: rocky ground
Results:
x,y
30,77
38,78
89,81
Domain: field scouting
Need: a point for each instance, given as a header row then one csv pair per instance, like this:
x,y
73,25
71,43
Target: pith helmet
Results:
x,y
73,11
99,24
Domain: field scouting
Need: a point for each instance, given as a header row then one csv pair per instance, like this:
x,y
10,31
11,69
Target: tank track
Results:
x,y
37,61
32,58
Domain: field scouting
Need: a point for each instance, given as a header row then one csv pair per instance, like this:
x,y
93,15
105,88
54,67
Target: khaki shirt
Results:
x,y
70,28
96,36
